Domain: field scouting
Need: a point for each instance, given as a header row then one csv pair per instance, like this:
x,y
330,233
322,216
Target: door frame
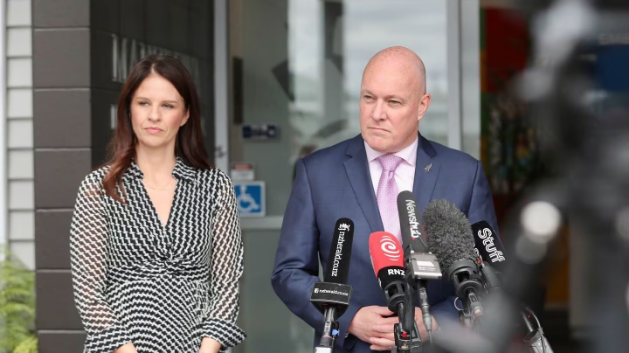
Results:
x,y
456,23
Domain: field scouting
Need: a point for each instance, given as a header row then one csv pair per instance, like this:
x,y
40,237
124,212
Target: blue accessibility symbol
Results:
x,y
250,197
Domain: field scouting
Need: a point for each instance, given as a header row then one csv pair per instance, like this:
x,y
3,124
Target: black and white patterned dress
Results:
x,y
163,288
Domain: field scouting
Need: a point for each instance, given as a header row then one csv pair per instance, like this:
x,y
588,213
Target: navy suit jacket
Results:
x,y
335,182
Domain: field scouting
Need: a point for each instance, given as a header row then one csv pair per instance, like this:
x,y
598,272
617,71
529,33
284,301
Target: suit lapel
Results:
x,y
426,173
357,168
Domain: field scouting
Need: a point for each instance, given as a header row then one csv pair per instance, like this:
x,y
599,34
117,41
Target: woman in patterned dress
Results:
x,y
156,246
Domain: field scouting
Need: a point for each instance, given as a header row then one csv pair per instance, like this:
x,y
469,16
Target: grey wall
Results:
x,y
74,91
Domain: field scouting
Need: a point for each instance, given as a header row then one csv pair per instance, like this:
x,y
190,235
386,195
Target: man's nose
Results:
x,y
379,113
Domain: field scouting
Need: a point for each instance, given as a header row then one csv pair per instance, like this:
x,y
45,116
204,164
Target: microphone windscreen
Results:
x,y
449,234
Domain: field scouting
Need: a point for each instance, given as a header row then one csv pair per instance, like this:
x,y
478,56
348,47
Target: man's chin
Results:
x,y
378,144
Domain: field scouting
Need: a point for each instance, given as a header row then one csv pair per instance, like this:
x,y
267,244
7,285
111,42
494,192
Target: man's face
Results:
x,y
391,105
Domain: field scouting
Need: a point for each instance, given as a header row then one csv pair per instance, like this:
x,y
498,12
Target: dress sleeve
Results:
x,y
226,270
88,253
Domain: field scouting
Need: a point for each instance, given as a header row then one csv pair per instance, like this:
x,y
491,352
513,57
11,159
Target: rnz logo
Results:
x,y
395,272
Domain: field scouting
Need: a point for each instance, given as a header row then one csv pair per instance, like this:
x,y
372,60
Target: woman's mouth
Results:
x,y
153,130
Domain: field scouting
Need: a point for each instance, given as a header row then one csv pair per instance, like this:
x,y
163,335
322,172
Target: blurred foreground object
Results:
x,y
576,89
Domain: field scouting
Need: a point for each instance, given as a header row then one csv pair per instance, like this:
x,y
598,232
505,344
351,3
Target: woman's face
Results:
x,y
157,113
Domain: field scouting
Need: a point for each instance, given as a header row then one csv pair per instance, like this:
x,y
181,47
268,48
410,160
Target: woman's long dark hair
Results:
x,y
189,144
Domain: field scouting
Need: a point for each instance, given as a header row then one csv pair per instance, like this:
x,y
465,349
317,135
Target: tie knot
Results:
x,y
389,162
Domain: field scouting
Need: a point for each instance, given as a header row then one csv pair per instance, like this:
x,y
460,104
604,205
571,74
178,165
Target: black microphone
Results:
x,y
340,252
464,253
420,263
332,296
450,238
410,223
488,245
489,249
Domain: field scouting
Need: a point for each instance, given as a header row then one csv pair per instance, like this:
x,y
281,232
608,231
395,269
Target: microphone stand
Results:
x,y
535,341
417,275
399,296
330,332
405,342
406,332
332,300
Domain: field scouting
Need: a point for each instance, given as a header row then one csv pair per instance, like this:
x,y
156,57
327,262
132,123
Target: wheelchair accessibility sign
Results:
x,y
250,198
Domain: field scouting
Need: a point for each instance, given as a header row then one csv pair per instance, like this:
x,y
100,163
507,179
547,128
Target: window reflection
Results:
x,y
330,42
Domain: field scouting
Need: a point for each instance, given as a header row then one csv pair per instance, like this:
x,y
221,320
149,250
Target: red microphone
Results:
x,y
387,259
385,251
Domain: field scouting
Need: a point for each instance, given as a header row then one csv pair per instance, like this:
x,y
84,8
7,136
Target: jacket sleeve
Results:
x,y
482,204
226,269
296,267
88,255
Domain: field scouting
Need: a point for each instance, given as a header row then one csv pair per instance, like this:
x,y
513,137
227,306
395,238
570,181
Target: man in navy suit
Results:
x,y
358,179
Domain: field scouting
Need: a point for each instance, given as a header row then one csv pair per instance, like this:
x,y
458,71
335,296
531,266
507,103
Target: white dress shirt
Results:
x,y
405,172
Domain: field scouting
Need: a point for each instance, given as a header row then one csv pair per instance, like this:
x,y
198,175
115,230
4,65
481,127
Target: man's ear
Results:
x,y
424,103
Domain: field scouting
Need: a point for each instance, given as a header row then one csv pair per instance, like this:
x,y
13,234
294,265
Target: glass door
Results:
x,y
296,68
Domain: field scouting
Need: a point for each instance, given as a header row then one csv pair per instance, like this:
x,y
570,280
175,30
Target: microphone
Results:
x,y
340,252
450,238
388,264
332,297
488,245
420,262
489,249
464,253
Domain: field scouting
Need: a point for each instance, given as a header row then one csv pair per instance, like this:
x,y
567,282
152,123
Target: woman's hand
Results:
x,y
127,348
209,345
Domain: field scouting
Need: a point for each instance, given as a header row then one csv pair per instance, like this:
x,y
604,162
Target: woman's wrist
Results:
x,y
209,345
127,348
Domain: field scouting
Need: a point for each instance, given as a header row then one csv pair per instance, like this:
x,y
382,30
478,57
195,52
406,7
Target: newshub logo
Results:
x,y
412,220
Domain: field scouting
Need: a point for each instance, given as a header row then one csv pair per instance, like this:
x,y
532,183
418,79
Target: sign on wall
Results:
x,y
250,198
127,52
259,132
242,171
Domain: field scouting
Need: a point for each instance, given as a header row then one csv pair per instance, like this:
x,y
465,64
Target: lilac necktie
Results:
x,y
387,194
